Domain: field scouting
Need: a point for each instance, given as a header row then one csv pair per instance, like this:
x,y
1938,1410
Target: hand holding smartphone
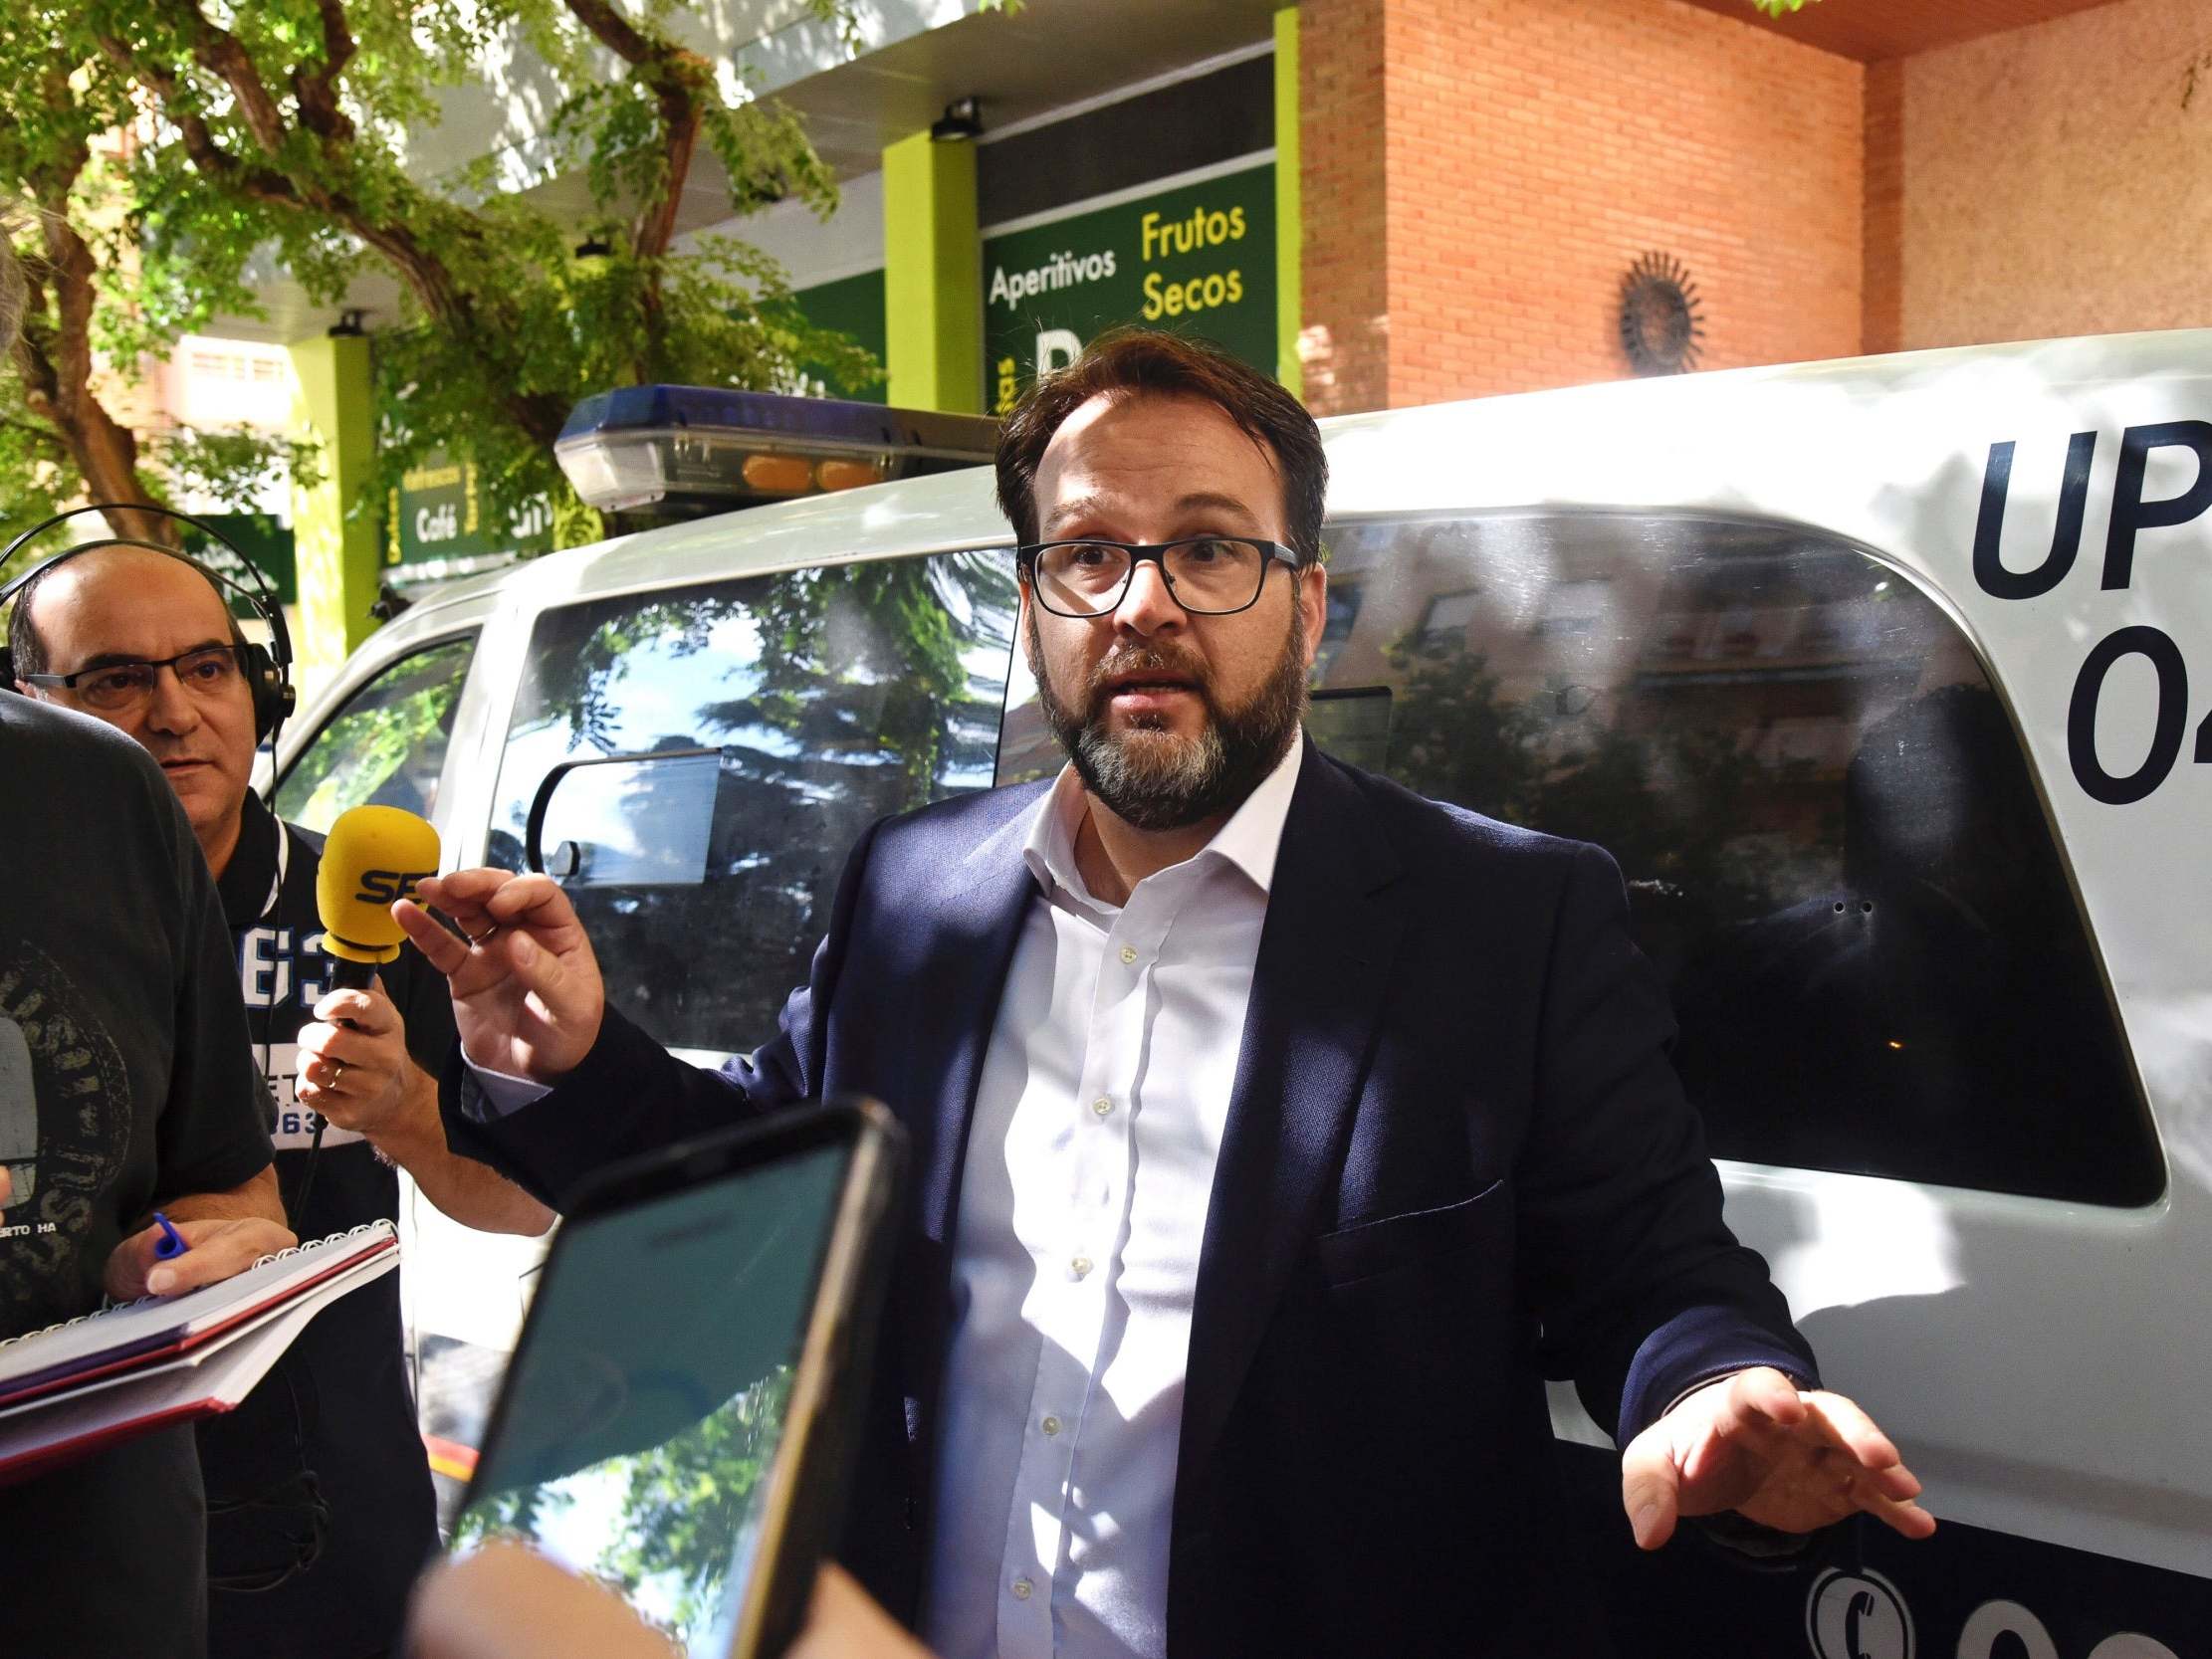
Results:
x,y
679,1414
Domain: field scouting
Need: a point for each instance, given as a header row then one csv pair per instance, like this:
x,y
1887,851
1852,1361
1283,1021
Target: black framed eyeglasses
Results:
x,y
1208,575
205,670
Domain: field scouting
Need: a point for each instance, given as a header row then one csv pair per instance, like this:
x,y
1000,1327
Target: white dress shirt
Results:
x,y
1098,1119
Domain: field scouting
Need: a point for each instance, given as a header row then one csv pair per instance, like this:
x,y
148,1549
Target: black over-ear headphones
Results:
x,y
268,668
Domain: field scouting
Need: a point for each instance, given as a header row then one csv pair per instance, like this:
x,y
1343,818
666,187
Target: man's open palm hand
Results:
x,y
1755,1444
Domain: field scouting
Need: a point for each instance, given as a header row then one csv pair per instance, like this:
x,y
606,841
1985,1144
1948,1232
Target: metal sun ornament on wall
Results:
x,y
1660,325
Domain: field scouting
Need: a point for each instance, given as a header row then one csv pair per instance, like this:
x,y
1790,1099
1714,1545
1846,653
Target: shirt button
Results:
x,y
1050,1425
1103,1105
1022,1589
1128,954
1080,1266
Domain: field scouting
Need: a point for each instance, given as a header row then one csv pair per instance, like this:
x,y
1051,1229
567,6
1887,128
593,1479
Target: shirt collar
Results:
x,y
1249,840
247,883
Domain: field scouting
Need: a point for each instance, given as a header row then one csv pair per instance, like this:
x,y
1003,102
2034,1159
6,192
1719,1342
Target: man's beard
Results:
x,y
1147,775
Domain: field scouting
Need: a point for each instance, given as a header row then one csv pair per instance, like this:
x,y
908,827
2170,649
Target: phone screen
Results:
x,y
645,1404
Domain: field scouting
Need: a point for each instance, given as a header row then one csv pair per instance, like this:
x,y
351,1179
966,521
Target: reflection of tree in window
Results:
x,y
387,746
690,1496
1761,725
1648,797
682,1503
837,696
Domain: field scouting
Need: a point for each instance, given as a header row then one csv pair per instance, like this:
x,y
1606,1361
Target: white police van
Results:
x,y
1890,684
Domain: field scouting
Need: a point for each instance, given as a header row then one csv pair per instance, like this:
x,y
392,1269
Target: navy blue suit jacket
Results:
x,y
1456,1160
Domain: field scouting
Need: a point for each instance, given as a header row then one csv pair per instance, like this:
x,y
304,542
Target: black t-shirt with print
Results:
x,y
123,1085
338,1403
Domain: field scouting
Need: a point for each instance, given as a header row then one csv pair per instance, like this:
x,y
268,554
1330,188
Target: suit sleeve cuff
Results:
x,y
498,1094
1697,1346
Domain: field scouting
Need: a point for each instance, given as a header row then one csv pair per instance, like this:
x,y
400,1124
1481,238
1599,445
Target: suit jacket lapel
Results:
x,y
1317,994
992,891
978,910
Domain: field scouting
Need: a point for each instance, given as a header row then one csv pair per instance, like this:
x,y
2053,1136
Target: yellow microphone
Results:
x,y
372,855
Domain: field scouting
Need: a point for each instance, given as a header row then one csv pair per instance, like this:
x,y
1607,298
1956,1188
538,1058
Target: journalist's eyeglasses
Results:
x,y
204,670
1209,575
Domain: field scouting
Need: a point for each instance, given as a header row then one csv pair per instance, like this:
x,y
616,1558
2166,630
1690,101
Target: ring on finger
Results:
x,y
337,1072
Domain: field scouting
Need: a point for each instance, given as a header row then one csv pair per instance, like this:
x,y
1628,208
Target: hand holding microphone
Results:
x,y
527,997
354,1062
353,1059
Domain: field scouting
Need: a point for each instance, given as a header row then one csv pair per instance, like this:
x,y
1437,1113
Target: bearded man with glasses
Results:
x,y
1276,1132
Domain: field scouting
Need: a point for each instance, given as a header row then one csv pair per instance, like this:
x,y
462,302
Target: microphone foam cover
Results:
x,y
372,855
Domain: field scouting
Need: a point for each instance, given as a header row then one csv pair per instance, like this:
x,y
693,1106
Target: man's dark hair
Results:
x,y
1135,363
27,652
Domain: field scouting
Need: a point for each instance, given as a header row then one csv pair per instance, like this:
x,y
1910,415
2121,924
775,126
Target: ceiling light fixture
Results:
x,y
961,121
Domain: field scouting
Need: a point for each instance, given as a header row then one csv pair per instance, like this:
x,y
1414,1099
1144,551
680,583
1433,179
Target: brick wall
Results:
x,y
1882,301
1523,153
2053,181
1343,338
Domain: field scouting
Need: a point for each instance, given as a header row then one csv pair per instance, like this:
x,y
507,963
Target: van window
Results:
x,y
1833,850
385,746
825,699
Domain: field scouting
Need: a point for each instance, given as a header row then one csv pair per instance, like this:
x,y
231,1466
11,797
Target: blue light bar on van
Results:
x,y
698,449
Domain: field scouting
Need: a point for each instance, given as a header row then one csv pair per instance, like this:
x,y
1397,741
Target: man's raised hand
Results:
x,y
527,998
1756,1444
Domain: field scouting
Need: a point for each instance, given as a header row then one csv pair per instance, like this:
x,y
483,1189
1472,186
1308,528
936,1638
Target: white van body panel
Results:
x,y
2040,1363
2045,1393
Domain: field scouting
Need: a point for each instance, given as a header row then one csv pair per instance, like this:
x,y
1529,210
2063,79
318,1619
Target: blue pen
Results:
x,y
171,1243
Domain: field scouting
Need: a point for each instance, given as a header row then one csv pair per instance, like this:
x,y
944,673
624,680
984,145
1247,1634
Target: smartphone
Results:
x,y
680,1413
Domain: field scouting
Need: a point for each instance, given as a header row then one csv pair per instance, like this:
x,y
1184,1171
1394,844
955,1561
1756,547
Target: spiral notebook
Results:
x,y
70,1390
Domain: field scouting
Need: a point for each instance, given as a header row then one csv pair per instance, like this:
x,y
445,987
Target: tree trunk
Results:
x,y
57,371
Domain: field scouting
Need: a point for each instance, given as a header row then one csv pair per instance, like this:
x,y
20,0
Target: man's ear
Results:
x,y
1313,605
1025,632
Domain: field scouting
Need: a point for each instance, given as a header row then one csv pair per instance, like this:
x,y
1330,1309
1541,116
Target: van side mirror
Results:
x,y
626,820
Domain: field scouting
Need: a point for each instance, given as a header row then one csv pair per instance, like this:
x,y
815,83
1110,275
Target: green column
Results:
x,y
933,298
1291,368
335,408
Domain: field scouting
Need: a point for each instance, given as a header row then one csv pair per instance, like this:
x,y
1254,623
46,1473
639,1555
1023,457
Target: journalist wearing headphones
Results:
x,y
124,1092
320,1503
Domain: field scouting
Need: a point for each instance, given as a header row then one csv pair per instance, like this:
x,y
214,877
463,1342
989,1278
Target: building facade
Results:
x,y
1391,202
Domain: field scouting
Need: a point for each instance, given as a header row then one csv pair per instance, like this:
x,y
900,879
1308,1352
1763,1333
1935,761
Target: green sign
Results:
x,y
1198,257
852,306
262,539
435,517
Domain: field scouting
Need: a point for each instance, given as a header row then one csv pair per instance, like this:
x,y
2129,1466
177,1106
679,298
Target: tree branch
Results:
x,y
105,452
259,183
281,178
220,53
54,351
319,111
422,271
43,436
679,80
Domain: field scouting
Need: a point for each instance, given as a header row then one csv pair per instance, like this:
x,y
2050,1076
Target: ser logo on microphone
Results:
x,y
382,887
